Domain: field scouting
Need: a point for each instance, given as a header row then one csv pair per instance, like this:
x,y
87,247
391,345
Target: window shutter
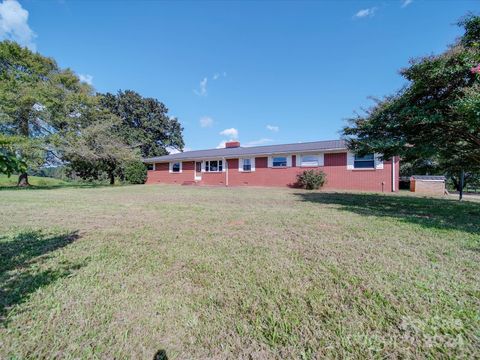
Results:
x,y
224,165
252,161
350,160
240,164
154,167
270,162
289,161
321,159
203,166
170,166
378,162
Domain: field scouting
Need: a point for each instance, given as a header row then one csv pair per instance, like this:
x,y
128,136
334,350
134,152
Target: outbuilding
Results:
x,y
427,184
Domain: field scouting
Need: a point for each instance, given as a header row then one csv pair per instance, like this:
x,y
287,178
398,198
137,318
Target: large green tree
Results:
x,y
9,162
145,122
36,99
93,148
436,116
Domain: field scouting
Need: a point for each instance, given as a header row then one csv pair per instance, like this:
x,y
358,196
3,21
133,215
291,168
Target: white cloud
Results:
x,y
14,24
222,144
88,79
405,3
232,132
206,121
203,88
217,76
365,13
172,150
258,142
273,128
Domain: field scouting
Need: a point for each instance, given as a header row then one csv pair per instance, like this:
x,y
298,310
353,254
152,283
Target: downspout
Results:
x,y
393,175
226,171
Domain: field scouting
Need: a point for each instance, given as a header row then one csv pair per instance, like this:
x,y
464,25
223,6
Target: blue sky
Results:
x,y
267,72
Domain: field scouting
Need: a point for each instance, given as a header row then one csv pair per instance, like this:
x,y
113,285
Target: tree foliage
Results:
x,y
96,148
34,101
135,172
9,162
145,122
436,116
47,116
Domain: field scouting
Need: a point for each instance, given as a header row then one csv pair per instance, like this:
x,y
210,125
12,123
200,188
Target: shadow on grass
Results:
x,y
21,260
160,355
427,212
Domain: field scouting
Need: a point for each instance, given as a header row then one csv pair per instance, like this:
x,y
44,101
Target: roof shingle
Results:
x,y
254,150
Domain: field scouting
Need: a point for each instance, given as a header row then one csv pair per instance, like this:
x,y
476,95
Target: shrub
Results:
x,y
135,172
311,179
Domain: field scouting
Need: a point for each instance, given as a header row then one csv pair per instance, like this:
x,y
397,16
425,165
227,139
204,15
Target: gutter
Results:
x,y
225,163
393,175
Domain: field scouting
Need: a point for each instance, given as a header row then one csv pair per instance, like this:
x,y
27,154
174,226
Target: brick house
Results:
x,y
276,165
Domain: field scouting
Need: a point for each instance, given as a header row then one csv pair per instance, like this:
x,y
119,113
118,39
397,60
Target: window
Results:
x,y
279,161
176,167
149,166
247,165
213,165
364,162
309,160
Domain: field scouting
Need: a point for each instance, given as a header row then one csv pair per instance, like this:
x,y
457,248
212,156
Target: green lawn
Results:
x,y
11,181
189,272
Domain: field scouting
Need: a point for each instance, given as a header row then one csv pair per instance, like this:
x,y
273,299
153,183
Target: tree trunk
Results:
x,y
112,178
23,180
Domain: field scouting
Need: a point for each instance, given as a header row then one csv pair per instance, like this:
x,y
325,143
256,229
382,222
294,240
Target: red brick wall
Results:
x,y
335,166
338,177
161,174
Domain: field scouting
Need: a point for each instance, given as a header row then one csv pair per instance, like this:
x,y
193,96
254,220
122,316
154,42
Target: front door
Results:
x,y
198,170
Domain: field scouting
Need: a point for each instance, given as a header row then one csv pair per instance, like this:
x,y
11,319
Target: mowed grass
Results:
x,y
188,272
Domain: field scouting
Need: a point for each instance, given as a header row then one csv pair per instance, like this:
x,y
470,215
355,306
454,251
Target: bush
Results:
x,y
135,172
311,179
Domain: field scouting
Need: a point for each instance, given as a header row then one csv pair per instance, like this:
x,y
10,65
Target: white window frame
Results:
x,y
240,164
372,160
170,167
378,163
205,166
301,163
288,157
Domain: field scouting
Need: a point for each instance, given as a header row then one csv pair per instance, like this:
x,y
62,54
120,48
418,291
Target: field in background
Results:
x,y
134,271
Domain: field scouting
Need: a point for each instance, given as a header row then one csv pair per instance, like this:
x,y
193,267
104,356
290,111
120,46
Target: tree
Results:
x,y
96,148
145,122
135,172
9,161
35,101
436,116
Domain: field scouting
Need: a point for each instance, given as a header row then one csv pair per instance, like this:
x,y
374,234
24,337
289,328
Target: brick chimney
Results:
x,y
232,144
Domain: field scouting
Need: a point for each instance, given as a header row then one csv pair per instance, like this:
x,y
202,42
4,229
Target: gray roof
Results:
x,y
428,177
254,150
